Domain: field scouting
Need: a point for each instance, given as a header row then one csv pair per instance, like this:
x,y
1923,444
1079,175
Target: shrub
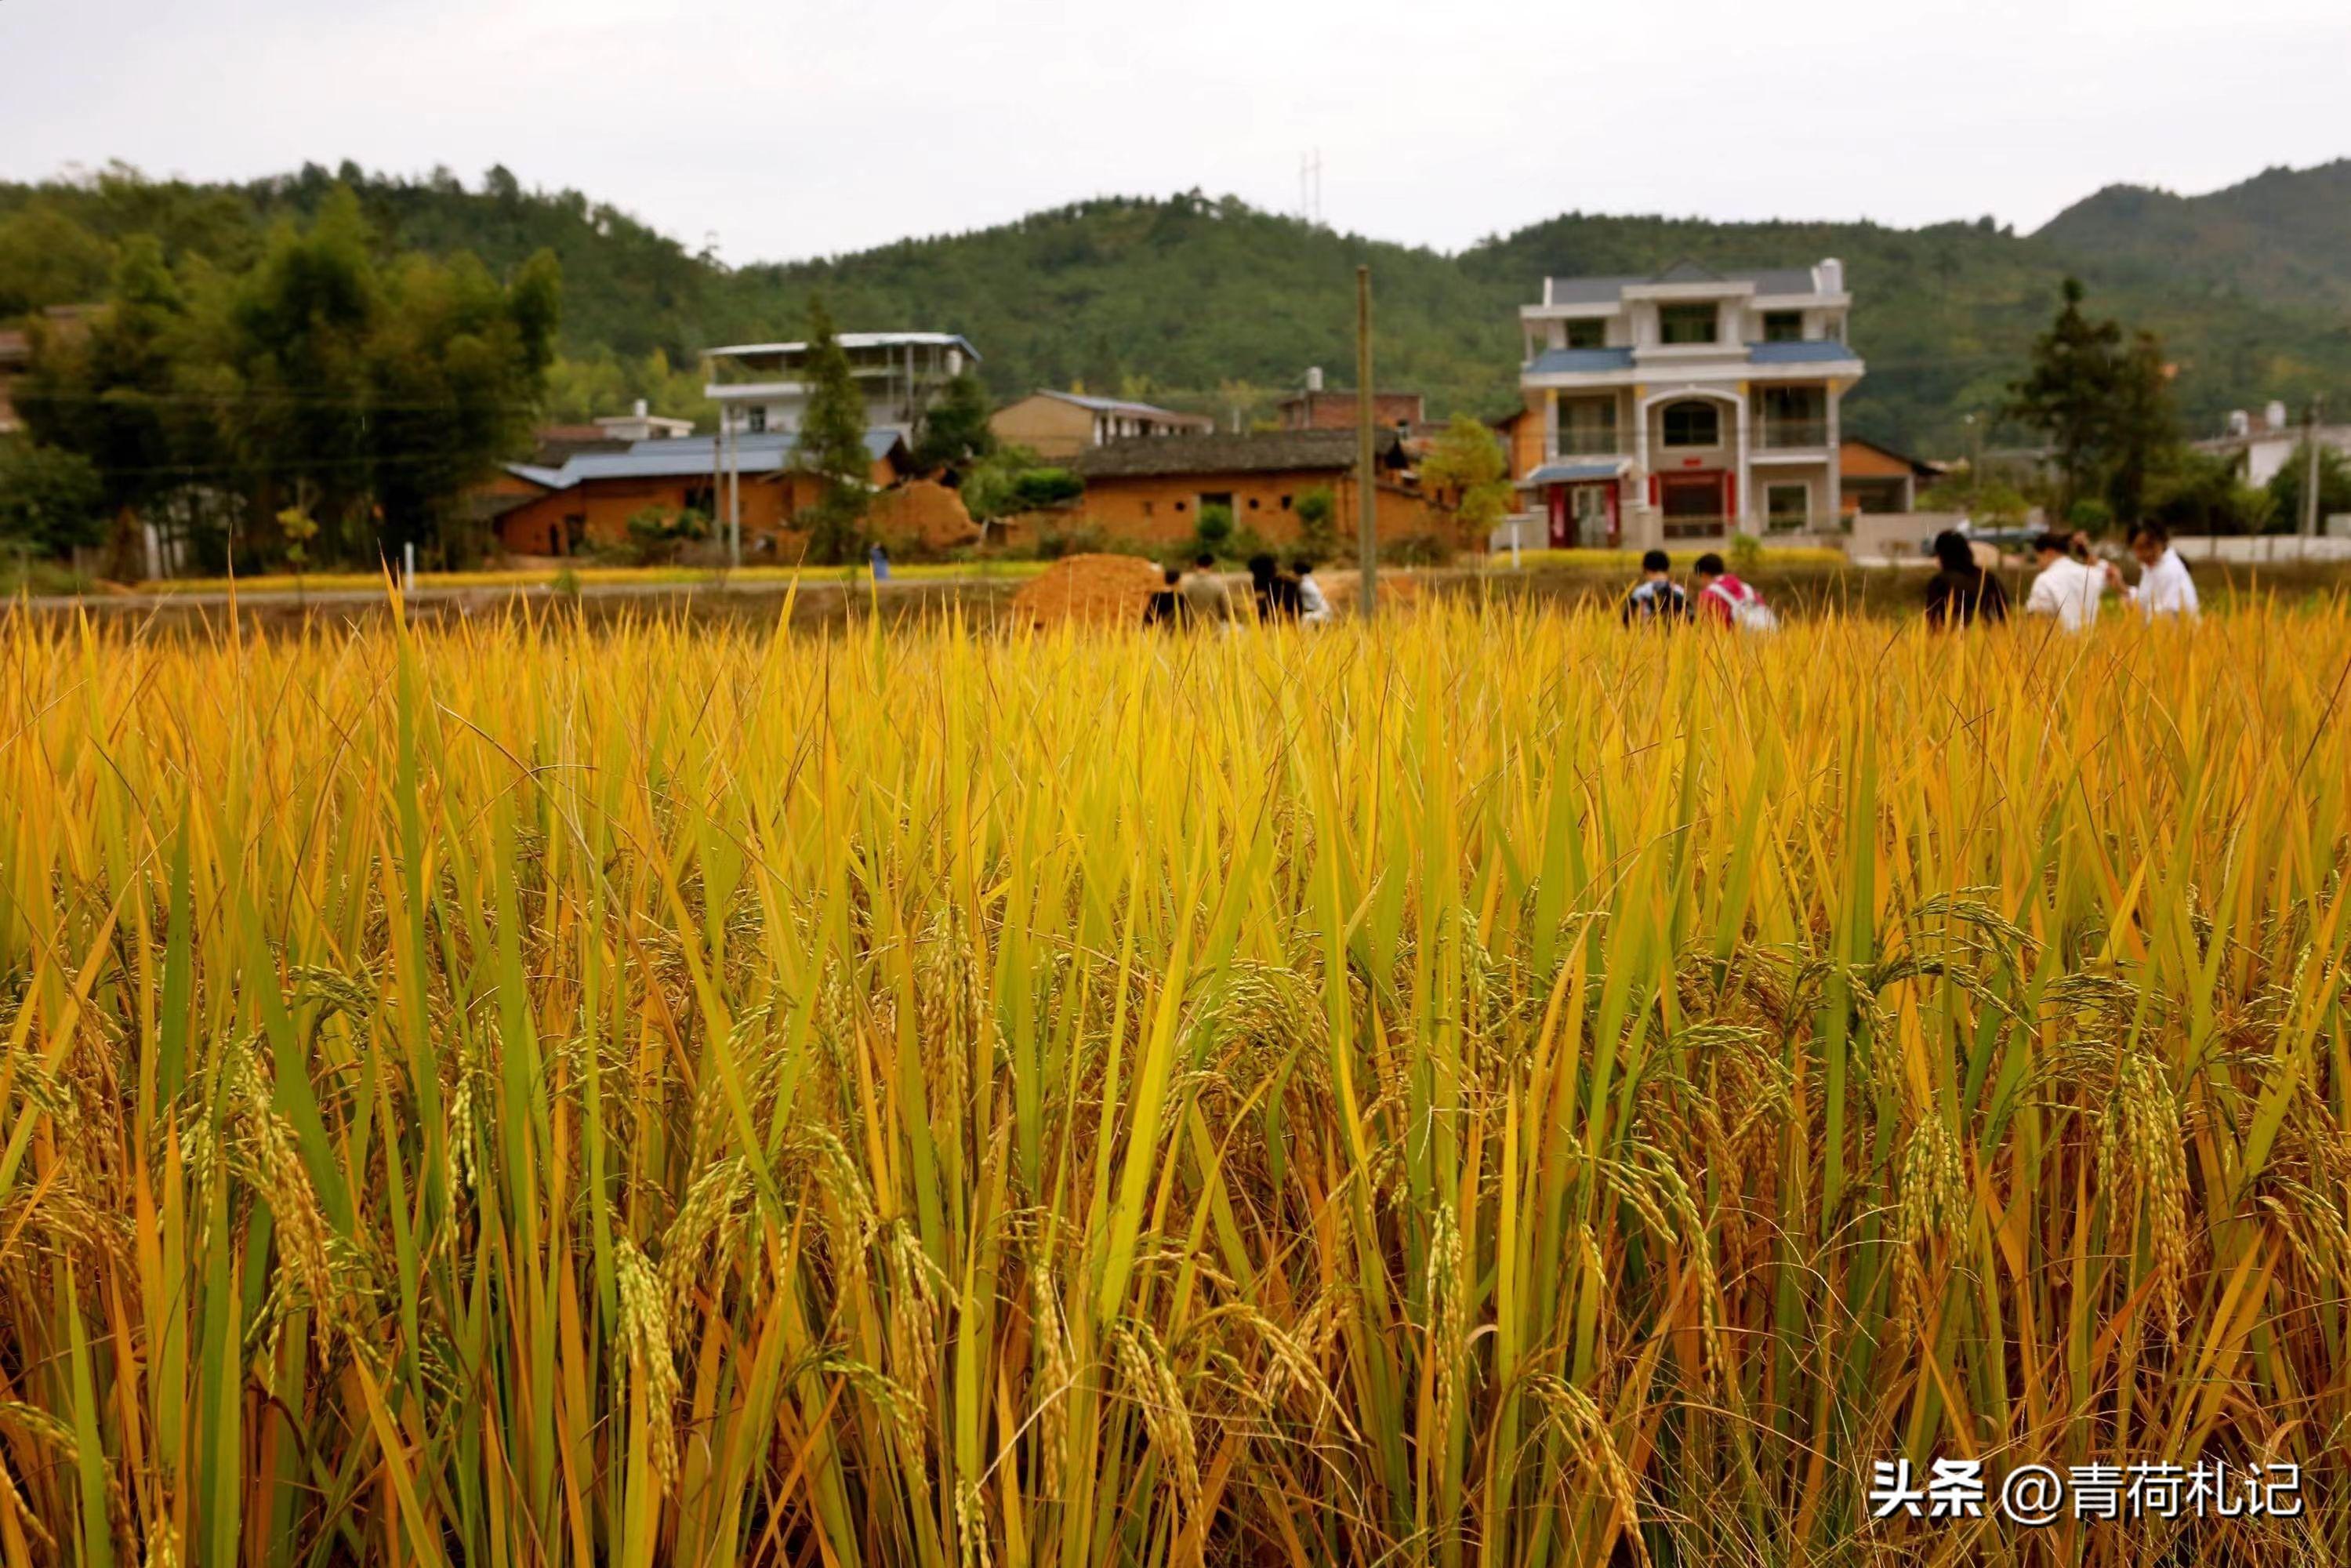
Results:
x,y
1213,534
657,533
1417,549
1745,554
1034,489
1318,532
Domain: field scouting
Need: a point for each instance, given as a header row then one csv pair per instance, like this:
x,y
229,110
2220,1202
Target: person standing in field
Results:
x,y
1656,600
2164,586
1961,592
2067,589
1726,600
1313,610
1277,596
1203,592
1166,607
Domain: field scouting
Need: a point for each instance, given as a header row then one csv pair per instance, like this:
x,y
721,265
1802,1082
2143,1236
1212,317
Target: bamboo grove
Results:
x,y
1496,1090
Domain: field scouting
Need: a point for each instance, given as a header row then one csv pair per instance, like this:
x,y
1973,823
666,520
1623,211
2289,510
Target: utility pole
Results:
x,y
2310,473
1366,487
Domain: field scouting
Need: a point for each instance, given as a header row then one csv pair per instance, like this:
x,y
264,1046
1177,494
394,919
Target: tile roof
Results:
x,y
1259,451
676,456
1565,473
1122,405
857,340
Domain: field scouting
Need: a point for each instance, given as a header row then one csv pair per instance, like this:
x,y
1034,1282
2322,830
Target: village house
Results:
x,y
586,502
2262,443
763,388
1686,406
1058,425
1315,409
1877,479
1152,490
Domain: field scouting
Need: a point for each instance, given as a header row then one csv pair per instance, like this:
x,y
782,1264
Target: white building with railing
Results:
x,y
1687,406
762,387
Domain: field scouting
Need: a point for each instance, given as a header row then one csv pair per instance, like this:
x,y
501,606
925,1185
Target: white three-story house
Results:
x,y
1687,406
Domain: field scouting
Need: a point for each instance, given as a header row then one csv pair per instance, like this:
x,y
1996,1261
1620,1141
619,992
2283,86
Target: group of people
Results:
x,y
1723,598
2069,585
1201,597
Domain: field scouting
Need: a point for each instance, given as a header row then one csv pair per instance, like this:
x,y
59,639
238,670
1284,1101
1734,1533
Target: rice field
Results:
x,y
1490,1090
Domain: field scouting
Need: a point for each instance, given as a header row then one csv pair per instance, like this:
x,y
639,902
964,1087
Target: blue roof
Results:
x,y
1572,472
1558,361
1810,351
675,456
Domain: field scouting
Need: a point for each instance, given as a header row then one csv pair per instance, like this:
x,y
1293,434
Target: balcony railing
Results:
x,y
1778,434
1588,443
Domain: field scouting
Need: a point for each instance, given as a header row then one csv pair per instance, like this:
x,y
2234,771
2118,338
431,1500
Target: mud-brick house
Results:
x,y
587,501
1152,489
1058,425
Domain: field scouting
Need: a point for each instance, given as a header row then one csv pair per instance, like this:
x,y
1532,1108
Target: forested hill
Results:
x,y
1211,304
2283,236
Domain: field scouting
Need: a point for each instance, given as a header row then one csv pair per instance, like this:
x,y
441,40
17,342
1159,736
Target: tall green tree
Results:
x,y
1469,474
955,431
366,398
2142,429
2069,391
832,445
113,389
50,500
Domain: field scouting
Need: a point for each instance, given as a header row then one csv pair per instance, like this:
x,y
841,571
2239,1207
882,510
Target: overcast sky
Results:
x,y
804,129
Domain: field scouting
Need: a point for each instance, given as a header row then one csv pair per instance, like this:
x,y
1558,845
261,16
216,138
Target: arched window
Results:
x,y
1693,423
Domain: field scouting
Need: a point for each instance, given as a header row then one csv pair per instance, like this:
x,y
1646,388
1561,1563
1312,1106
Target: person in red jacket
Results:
x,y
1723,599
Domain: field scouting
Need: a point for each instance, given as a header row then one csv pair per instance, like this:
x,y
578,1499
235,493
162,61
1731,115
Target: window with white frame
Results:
x,y
1788,508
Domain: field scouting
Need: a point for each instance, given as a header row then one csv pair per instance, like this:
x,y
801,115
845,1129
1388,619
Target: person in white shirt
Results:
x,y
1313,609
2066,588
2164,586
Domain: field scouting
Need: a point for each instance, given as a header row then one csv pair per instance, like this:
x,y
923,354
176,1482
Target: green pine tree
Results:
x,y
832,445
956,432
2069,392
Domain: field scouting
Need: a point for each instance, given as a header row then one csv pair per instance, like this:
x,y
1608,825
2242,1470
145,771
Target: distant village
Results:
x,y
1682,410
1689,409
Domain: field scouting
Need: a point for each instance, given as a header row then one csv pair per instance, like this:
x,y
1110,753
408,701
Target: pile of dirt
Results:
x,y
1344,588
923,515
1094,589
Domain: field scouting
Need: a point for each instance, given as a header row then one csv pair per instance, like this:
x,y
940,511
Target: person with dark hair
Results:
x,y
1204,595
2066,587
2164,586
1313,610
1167,607
1277,596
1723,599
1961,592
1656,598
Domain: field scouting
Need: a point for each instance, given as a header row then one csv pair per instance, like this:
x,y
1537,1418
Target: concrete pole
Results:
x,y
734,494
1367,473
2310,473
